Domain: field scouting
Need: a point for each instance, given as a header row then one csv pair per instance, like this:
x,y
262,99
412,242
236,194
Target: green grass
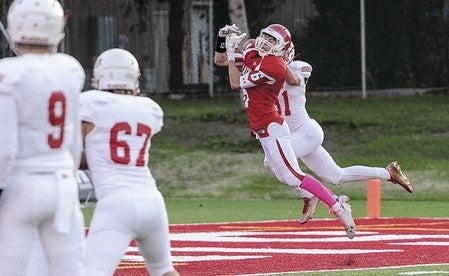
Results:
x,y
203,210
209,169
411,270
205,149
190,210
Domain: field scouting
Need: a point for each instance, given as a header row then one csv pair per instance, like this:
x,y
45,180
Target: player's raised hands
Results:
x,y
233,40
229,29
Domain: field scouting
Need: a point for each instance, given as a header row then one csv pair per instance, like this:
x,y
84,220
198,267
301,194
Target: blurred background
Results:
x,y
351,44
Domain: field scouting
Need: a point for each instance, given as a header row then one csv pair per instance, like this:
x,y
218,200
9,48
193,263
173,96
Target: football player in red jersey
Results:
x,y
220,59
264,72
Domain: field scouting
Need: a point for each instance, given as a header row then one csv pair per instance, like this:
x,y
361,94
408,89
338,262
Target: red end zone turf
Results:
x,y
287,246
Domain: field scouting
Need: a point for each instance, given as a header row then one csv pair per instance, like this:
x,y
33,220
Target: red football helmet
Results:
x,y
273,40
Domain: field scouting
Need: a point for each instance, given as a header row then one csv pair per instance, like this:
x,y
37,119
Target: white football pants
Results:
x,y
120,217
44,204
306,142
280,158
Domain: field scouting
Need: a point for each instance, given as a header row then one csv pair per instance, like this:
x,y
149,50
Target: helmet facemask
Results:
x,y
267,44
273,40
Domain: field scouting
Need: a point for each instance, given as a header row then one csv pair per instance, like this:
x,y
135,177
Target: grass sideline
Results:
x,y
210,170
205,150
205,210
409,270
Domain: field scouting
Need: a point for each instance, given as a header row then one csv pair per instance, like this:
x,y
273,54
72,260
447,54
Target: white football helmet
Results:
x,y
116,69
37,22
281,44
289,54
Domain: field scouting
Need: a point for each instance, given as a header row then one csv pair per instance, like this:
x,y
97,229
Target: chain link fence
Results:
x,y
142,27
173,40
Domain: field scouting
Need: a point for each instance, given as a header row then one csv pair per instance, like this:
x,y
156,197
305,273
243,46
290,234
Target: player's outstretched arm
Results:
x,y
234,75
220,57
232,41
292,78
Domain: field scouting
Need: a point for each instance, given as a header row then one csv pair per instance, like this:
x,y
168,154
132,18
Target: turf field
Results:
x,y
387,246
210,171
272,242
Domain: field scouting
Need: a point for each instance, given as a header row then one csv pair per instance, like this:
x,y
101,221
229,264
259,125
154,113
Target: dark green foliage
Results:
x,y
331,43
406,44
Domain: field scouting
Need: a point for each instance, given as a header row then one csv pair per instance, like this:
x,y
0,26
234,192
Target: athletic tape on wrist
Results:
x,y
230,56
220,46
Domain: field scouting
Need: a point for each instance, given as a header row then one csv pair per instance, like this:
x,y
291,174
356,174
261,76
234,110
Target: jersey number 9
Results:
x,y
56,117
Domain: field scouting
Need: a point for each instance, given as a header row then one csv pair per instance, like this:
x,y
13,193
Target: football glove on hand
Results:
x,y
232,41
229,29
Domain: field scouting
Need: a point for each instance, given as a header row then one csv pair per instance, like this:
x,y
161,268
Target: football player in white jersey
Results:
x,y
41,145
307,137
117,128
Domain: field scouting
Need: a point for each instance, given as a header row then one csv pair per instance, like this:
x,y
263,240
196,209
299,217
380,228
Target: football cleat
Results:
x,y
309,209
343,199
340,199
344,214
398,177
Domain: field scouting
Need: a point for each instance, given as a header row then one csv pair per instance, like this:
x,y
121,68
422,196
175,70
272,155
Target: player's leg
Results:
x,y
304,140
18,223
38,264
109,235
64,250
104,251
153,239
307,138
62,229
357,173
322,163
310,201
280,155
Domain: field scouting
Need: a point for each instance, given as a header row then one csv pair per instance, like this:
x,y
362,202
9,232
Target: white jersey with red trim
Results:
x,y
292,99
40,150
307,136
117,149
40,93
